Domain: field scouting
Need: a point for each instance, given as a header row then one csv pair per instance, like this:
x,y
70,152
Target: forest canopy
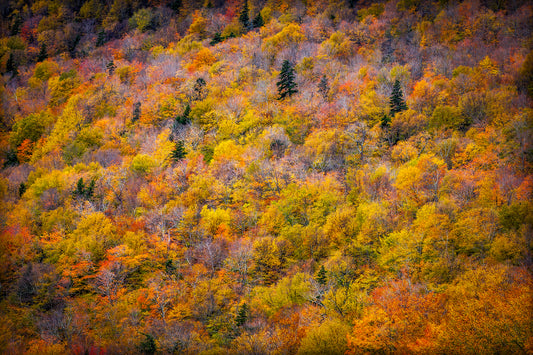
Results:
x,y
266,176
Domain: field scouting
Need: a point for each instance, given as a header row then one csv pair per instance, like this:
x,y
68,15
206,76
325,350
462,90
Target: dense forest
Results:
x,y
266,176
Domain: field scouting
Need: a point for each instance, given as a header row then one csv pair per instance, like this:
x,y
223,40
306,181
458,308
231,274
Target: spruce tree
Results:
x,y
42,53
242,315
397,103
323,87
101,39
11,66
179,151
89,190
217,38
136,112
385,121
111,67
80,188
148,345
244,19
16,24
258,21
186,113
175,5
22,189
184,118
286,84
321,277
199,87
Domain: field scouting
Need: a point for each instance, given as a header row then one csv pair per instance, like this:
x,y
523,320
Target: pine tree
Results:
x,y
22,189
397,103
184,118
80,188
242,315
175,5
321,277
89,191
16,24
217,38
42,53
101,39
111,67
258,21
148,345
179,151
136,111
199,87
244,19
286,84
11,67
323,87
385,121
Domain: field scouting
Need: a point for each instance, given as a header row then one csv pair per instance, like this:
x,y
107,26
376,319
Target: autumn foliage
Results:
x,y
260,176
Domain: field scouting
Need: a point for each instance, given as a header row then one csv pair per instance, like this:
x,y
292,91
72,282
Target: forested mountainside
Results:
x,y
266,176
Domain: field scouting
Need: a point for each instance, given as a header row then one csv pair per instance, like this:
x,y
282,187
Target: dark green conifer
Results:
x,y
179,151
321,276
16,23
89,191
258,21
111,67
217,38
242,315
397,103
101,39
42,53
22,189
80,187
175,5
286,84
136,112
323,87
11,66
199,87
184,118
148,345
385,121
244,18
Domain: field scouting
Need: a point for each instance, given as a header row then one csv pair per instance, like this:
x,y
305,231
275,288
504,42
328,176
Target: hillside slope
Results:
x,y
266,176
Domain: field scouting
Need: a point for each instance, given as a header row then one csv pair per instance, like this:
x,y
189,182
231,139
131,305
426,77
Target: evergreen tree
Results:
x,y
101,39
11,66
385,121
323,87
179,151
111,67
244,19
184,119
242,315
16,23
199,87
136,112
181,120
80,188
397,103
148,345
258,21
22,189
286,84
89,191
217,38
321,277
42,53
175,5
